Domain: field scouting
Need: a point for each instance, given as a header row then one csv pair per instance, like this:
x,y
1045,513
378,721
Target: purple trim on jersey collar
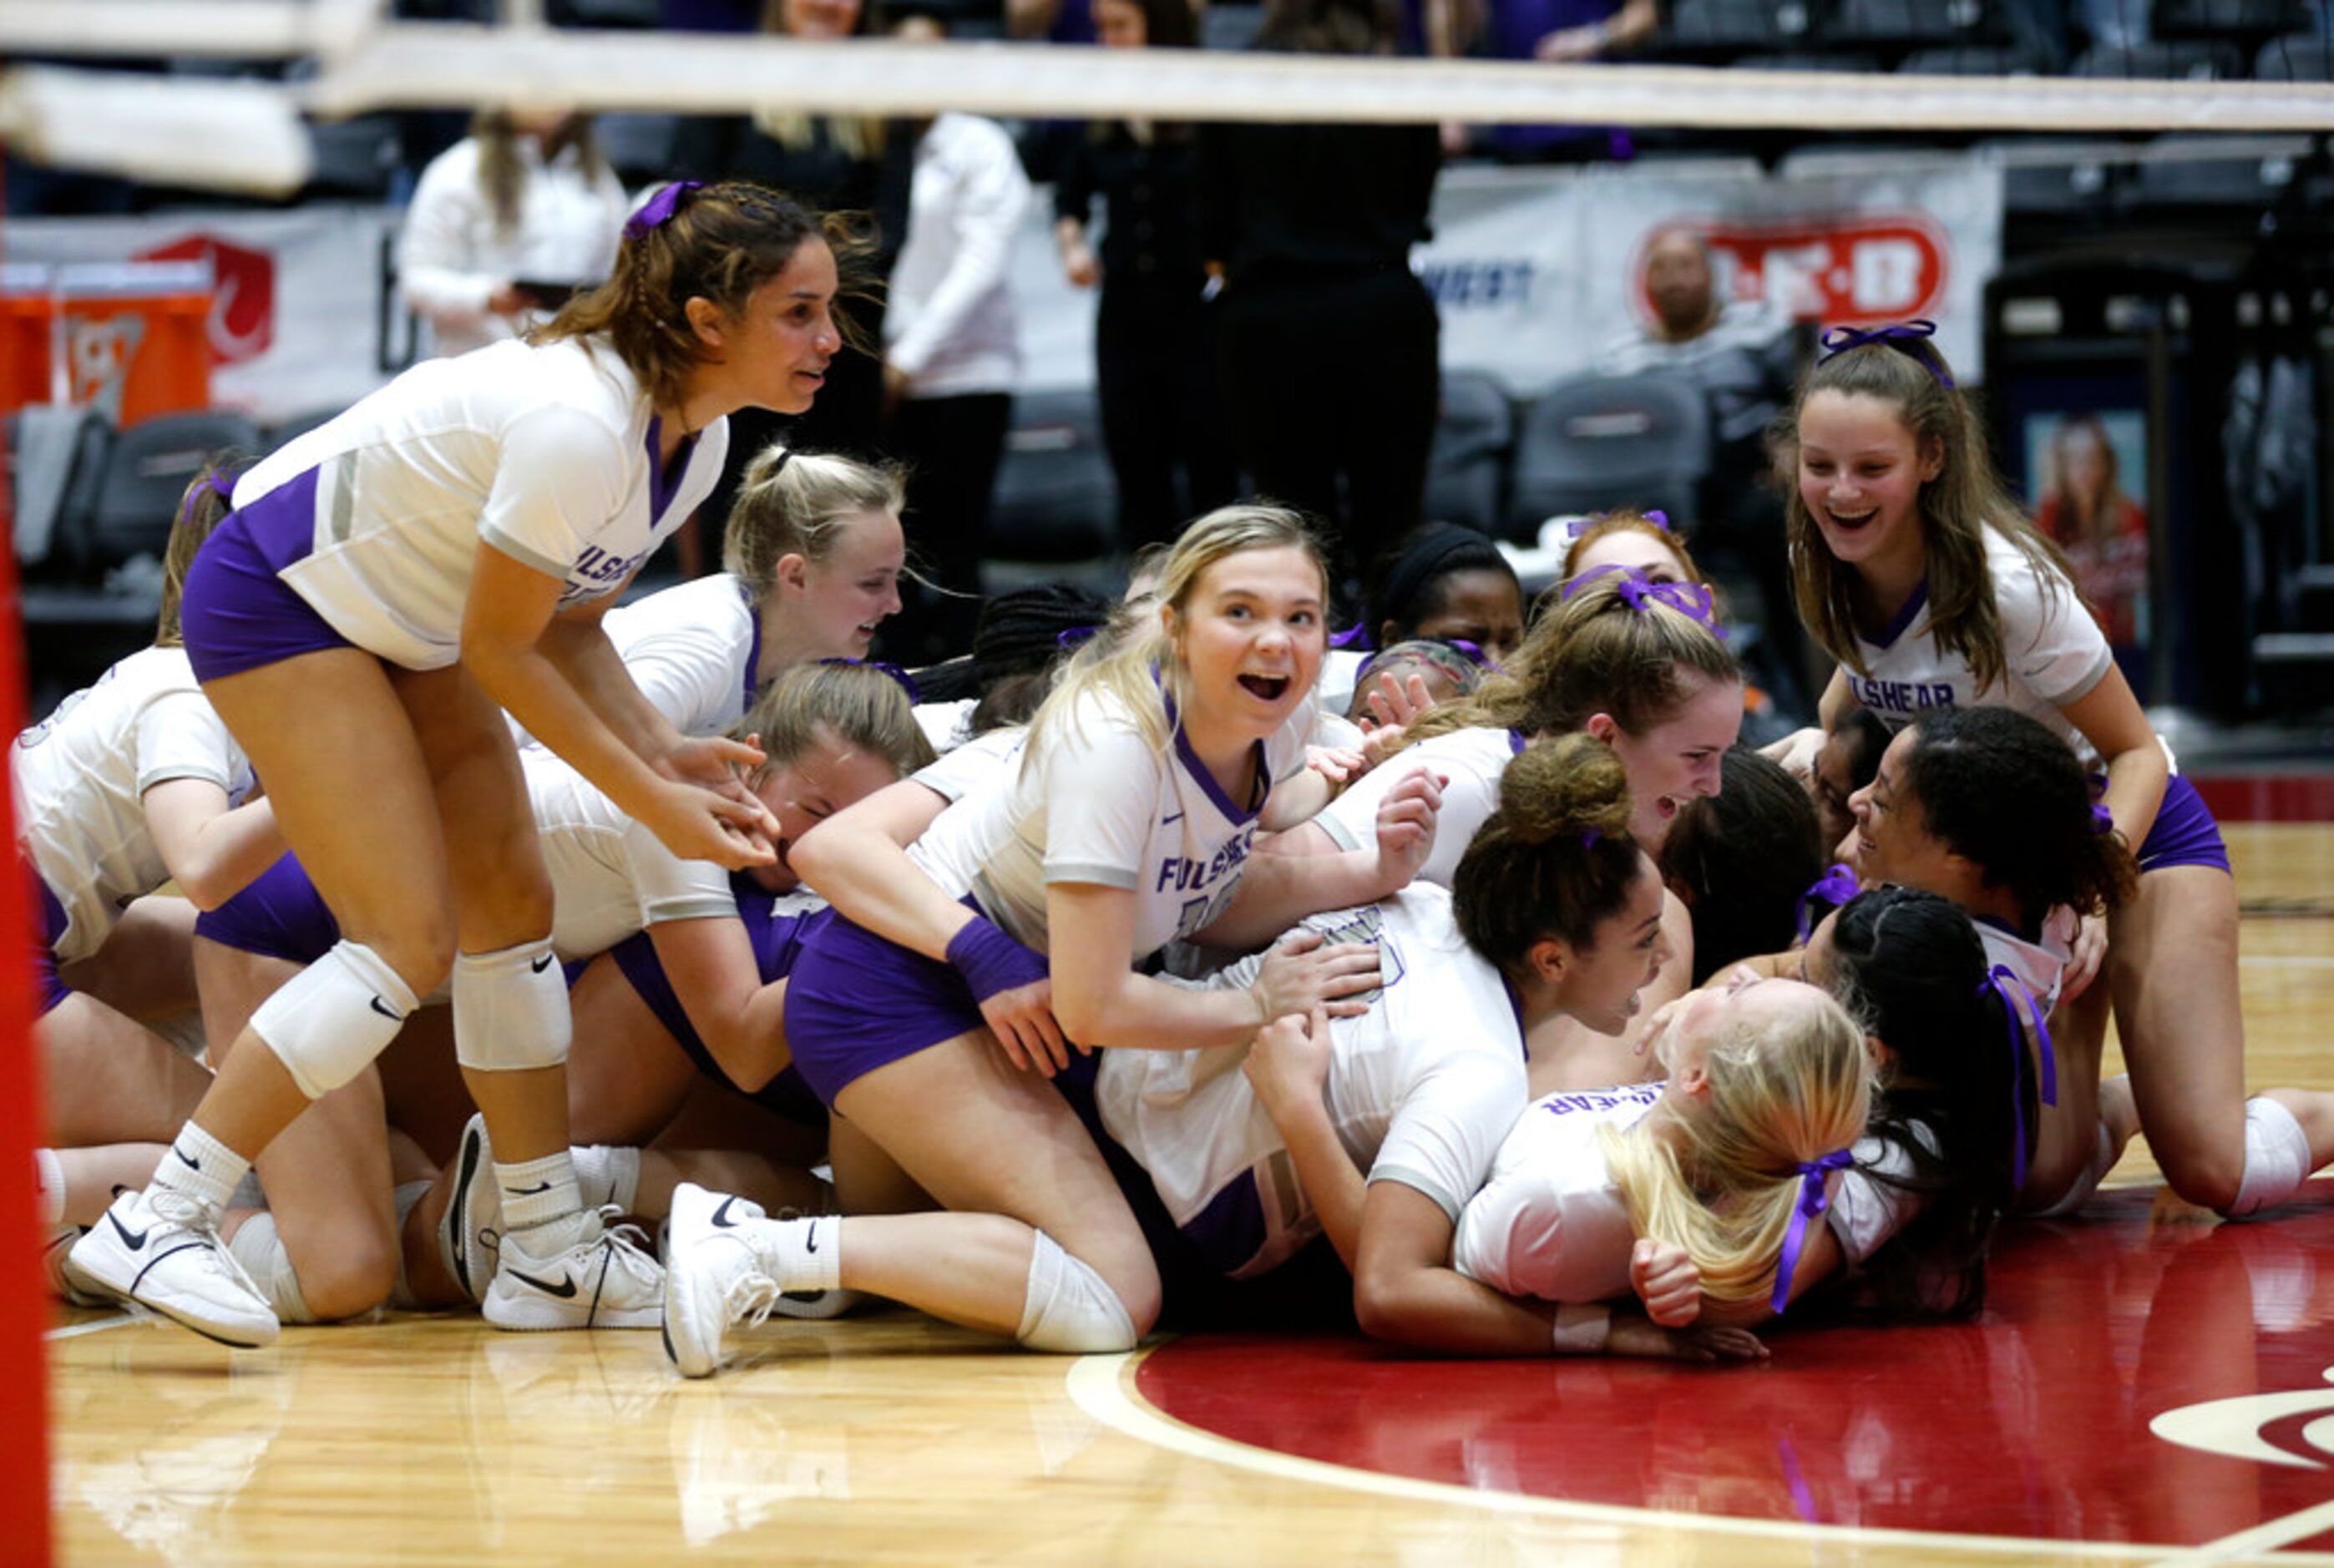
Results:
x,y
1199,770
753,641
1904,617
665,478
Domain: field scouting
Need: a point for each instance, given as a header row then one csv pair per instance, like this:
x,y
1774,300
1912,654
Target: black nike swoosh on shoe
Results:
x,y
135,1240
382,1008
565,1289
469,1174
721,1216
540,965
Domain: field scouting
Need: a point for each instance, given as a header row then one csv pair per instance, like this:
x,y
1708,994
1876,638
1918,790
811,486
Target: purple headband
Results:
x,y
907,682
1638,590
658,209
1899,335
1813,1199
1835,886
2003,981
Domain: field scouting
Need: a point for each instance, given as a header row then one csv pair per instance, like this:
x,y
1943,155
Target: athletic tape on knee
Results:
x,y
2104,1154
334,1017
510,1009
260,1251
2276,1158
1070,1310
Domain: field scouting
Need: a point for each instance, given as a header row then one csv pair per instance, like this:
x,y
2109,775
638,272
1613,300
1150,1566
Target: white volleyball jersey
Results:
x,y
547,454
1866,1211
691,649
80,777
1098,805
610,877
1471,761
1550,1223
947,724
984,762
1422,1089
2052,651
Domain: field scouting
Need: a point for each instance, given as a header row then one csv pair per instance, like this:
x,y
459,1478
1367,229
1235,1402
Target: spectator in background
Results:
x,y
2103,530
951,354
505,224
1155,360
1329,343
839,164
1744,356
1562,33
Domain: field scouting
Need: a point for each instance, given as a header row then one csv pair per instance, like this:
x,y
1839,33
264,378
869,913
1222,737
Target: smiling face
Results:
x,y
1678,759
774,352
1892,840
840,601
1251,636
829,776
1600,982
1478,606
1860,476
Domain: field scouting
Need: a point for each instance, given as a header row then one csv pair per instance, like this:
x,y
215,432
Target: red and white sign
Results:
x,y
1856,270
242,325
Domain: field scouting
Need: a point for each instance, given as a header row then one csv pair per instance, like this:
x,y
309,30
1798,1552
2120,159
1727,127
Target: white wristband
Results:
x,y
1581,1330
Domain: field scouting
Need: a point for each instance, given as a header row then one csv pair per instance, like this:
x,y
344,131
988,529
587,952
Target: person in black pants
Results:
x,y
1329,343
1155,354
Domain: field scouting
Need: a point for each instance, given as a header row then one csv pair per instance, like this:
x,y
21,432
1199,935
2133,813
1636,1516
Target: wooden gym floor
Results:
x,y
2135,1392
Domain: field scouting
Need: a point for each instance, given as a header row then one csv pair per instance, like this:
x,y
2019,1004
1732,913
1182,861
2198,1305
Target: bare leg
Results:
x,y
2172,968
627,1077
950,1115
91,1175
145,969
111,1079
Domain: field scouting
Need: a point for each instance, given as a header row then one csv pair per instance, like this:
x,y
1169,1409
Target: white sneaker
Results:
x,y
60,1278
713,1277
161,1249
471,1229
575,1272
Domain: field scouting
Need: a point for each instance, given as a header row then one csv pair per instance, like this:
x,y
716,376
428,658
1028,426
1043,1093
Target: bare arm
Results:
x,y
213,851
857,860
1289,1066
1277,891
2111,719
504,625
742,1021
1406,1291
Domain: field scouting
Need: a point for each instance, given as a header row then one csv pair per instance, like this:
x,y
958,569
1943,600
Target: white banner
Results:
x,y
296,303
1536,270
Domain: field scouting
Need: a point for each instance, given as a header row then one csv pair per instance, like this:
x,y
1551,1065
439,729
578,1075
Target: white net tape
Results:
x,y
366,65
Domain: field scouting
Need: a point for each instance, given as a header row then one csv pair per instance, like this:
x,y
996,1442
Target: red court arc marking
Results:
x,y
2031,1422
2269,797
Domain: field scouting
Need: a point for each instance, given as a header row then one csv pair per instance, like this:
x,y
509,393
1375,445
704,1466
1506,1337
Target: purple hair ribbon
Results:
x,y
2102,820
1899,335
657,210
1638,590
1591,837
1657,517
2003,980
213,484
1835,886
1813,1199
907,682
1354,636
1071,636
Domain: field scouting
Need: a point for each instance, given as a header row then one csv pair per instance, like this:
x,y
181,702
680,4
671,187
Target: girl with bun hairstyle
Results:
x,y
1620,660
1557,912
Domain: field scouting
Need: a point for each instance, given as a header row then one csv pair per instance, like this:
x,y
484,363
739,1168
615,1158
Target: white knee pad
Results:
x,y
510,1009
260,1251
1070,1309
334,1017
2276,1158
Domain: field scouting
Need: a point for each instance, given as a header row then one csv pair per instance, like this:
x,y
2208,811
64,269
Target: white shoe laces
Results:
x,y
749,1300
197,1218
628,1244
